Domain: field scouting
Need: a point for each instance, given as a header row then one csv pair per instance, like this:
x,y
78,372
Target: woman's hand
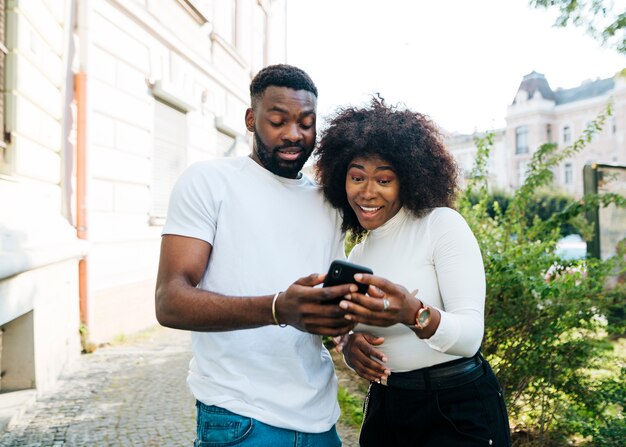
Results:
x,y
386,304
360,354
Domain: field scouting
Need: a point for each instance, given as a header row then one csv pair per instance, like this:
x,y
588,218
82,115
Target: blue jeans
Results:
x,y
219,427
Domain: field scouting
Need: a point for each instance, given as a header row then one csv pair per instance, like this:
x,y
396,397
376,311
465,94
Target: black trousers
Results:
x,y
472,414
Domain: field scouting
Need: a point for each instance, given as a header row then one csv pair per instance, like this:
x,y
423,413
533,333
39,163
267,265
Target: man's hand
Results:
x,y
367,361
307,307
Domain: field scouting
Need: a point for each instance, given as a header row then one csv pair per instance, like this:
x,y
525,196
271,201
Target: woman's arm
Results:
x,y
461,281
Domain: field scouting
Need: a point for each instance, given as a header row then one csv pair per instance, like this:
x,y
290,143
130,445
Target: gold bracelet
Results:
x,y
274,311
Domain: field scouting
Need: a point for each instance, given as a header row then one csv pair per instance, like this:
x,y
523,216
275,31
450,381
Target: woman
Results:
x,y
388,172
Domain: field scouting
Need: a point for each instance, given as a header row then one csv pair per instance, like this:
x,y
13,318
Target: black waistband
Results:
x,y
447,375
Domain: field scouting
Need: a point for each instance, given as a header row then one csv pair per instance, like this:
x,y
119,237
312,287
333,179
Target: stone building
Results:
x,y
463,147
537,115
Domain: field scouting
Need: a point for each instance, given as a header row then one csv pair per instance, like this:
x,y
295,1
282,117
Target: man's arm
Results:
x,y
180,305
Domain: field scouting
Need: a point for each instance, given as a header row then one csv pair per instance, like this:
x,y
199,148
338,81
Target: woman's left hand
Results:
x,y
360,354
386,304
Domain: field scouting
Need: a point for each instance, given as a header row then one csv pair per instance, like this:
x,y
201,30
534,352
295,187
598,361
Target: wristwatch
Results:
x,y
422,319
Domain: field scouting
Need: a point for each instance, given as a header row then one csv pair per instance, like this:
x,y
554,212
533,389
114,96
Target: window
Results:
x,y
168,158
589,126
522,168
567,135
568,174
549,132
225,22
521,140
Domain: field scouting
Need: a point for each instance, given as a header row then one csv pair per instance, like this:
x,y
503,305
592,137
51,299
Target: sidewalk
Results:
x,y
130,394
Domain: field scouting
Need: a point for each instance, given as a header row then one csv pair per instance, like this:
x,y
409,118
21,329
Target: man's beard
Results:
x,y
273,163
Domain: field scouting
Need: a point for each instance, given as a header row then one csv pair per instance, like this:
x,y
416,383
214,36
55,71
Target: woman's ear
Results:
x,y
250,120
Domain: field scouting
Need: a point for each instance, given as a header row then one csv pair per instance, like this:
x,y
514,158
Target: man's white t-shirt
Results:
x,y
266,232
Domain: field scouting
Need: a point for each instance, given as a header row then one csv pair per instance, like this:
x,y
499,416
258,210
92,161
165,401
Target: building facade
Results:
x,y
541,115
105,103
464,149
538,115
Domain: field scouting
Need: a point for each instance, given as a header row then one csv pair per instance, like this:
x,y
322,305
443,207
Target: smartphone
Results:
x,y
342,272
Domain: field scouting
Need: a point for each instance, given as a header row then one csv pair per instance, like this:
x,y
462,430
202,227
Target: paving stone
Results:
x,y
119,395
127,395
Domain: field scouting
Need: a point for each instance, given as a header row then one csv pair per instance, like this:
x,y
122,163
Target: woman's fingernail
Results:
x,y
358,276
348,296
348,317
384,359
343,305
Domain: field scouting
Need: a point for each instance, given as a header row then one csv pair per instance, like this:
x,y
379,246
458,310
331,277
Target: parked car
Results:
x,y
571,247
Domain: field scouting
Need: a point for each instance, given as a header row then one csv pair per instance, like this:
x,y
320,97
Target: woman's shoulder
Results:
x,y
445,218
444,213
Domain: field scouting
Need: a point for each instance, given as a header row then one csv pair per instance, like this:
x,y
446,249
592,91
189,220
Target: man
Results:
x,y
238,232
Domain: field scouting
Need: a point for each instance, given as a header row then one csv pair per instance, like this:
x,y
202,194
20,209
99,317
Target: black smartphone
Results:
x,y
342,272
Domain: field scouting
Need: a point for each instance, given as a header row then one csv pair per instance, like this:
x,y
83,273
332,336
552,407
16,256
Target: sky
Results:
x,y
458,61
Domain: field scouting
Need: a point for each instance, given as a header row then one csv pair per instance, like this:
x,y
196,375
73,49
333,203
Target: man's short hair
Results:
x,y
280,75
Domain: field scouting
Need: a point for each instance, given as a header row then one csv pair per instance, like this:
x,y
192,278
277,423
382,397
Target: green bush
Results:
x,y
544,204
615,299
546,325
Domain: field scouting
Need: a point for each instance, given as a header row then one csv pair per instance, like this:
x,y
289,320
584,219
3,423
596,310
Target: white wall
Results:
x,y
38,246
137,52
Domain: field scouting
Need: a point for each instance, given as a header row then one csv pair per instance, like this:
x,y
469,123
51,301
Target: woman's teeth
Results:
x,y
370,209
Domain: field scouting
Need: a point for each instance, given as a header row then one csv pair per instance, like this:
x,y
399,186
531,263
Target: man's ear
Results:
x,y
250,120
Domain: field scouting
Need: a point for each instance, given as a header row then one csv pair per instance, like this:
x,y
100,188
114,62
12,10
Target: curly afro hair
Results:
x,y
409,141
280,75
